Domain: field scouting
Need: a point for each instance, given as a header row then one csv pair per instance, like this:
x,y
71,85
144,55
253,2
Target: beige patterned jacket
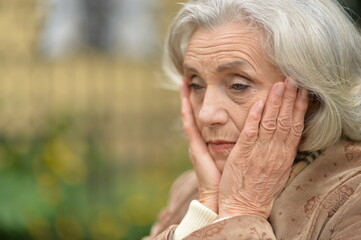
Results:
x,y
322,202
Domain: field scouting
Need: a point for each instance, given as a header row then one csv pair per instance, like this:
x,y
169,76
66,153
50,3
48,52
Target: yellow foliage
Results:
x,y
69,228
137,209
39,229
106,226
64,163
49,189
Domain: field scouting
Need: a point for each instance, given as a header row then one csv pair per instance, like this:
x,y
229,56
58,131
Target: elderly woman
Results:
x,y
272,114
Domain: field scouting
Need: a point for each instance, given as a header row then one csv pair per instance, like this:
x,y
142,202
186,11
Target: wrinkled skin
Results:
x,y
243,120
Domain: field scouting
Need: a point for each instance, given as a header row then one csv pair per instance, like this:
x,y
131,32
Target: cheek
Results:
x,y
238,114
236,109
239,111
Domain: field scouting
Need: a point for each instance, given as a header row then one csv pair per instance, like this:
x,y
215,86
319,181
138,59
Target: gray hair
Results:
x,y
314,41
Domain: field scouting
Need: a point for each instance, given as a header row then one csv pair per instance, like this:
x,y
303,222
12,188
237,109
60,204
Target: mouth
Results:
x,y
221,146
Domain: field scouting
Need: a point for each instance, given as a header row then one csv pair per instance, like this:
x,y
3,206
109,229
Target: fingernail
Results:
x,y
280,88
260,105
291,84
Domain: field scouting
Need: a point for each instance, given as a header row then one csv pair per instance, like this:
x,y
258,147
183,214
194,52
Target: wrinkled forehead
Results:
x,y
220,31
228,42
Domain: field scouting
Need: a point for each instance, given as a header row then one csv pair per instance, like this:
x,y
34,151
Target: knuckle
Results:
x,y
298,129
269,125
190,153
188,133
254,117
183,112
250,135
191,156
290,97
275,104
284,122
186,126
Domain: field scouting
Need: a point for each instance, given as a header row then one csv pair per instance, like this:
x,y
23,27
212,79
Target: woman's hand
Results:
x,y
259,165
206,170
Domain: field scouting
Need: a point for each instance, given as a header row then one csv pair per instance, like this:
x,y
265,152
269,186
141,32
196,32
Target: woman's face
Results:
x,y
228,72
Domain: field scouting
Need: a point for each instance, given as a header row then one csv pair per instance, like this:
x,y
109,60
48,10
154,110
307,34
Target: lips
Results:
x,y
221,146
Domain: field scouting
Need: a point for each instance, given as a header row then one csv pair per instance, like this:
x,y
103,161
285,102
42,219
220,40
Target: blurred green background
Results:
x,y
89,144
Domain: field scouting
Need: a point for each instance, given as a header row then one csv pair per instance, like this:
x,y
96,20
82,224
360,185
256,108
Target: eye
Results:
x,y
239,86
195,86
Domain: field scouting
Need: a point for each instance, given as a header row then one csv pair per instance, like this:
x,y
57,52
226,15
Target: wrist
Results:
x,y
227,213
210,203
209,198
230,210
196,217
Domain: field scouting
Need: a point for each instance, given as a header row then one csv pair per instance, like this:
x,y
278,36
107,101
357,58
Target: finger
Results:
x,y
197,147
189,125
249,134
299,112
285,116
269,118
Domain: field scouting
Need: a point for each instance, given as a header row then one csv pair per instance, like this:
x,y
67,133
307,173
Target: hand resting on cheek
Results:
x,y
259,165
206,170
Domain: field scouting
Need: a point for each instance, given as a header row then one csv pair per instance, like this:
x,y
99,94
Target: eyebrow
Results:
x,y
222,67
191,69
233,64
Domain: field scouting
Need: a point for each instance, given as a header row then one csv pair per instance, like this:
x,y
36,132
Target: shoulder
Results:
x,y
334,178
338,168
324,197
347,151
343,158
183,191
184,185
352,152
345,215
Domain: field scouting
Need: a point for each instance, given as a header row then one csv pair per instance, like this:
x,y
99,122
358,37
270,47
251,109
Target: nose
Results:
x,y
213,111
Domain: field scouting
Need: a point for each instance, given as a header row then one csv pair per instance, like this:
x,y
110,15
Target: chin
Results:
x,y
220,158
220,153
220,164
